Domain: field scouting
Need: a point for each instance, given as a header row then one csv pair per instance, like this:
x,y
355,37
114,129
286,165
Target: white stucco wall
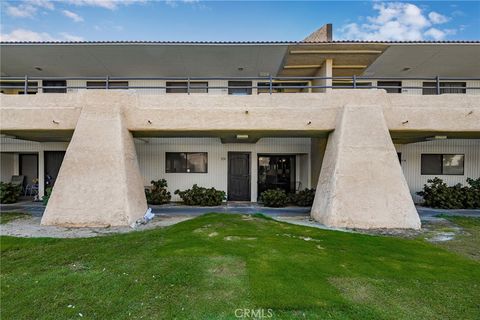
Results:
x,y
6,166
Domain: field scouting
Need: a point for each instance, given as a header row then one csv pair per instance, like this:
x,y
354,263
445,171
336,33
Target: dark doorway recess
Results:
x,y
53,162
239,176
276,171
28,167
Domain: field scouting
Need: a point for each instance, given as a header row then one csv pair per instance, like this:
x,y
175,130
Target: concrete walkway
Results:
x,y
36,209
166,215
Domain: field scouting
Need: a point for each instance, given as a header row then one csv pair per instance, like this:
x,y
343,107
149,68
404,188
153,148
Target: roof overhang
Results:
x,y
239,59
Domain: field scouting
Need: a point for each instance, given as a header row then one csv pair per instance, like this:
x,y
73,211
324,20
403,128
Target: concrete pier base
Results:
x,y
99,183
361,183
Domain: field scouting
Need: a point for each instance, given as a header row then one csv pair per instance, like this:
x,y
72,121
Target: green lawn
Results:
x,y
208,267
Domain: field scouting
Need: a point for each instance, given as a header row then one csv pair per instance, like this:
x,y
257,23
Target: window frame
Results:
x,y
444,85
99,84
234,85
186,162
183,86
442,173
18,87
48,83
393,84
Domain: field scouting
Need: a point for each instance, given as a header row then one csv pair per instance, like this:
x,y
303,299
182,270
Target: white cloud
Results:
x,y
106,4
174,3
70,37
397,21
21,11
29,35
72,15
28,8
44,4
26,35
437,18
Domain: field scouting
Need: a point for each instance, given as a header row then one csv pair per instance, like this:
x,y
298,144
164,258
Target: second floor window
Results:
x,y
111,85
429,88
54,83
390,86
182,87
285,87
18,87
240,88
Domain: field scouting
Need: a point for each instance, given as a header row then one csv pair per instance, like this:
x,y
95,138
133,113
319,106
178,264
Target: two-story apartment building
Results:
x,y
365,123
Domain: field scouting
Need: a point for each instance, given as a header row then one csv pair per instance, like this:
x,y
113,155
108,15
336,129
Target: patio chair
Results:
x,y
18,181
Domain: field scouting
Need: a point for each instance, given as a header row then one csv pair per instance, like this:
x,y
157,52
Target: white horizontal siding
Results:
x,y
6,166
151,157
411,161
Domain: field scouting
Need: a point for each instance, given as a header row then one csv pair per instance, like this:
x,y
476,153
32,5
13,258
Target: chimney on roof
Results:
x,y
321,35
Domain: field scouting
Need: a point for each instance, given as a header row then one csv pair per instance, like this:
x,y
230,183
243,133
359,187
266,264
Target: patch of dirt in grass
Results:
x,y
30,227
465,239
6,217
238,238
385,297
226,278
356,290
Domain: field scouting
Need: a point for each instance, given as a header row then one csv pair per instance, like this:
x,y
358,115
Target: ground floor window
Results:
x,y
276,171
186,162
442,164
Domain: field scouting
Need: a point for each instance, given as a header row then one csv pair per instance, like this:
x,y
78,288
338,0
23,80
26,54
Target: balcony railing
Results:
x,y
436,85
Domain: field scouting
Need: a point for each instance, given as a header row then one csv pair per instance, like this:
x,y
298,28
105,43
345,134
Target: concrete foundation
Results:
x,y
361,182
99,183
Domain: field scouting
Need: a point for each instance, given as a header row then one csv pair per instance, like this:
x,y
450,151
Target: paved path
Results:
x,y
36,209
170,214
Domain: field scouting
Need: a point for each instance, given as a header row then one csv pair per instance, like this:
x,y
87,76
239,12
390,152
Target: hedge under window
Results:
x,y
186,162
442,164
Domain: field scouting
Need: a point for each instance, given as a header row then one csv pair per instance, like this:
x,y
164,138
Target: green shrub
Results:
x,y
436,194
199,196
46,197
9,193
158,194
472,197
303,198
275,198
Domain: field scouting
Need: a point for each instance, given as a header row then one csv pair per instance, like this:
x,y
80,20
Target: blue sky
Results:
x,y
192,20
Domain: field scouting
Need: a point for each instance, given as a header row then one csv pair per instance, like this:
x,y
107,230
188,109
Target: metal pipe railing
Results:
x,y
265,84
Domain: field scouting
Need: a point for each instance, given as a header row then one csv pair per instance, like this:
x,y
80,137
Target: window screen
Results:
x,y
54,83
240,88
396,86
429,88
181,87
111,84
